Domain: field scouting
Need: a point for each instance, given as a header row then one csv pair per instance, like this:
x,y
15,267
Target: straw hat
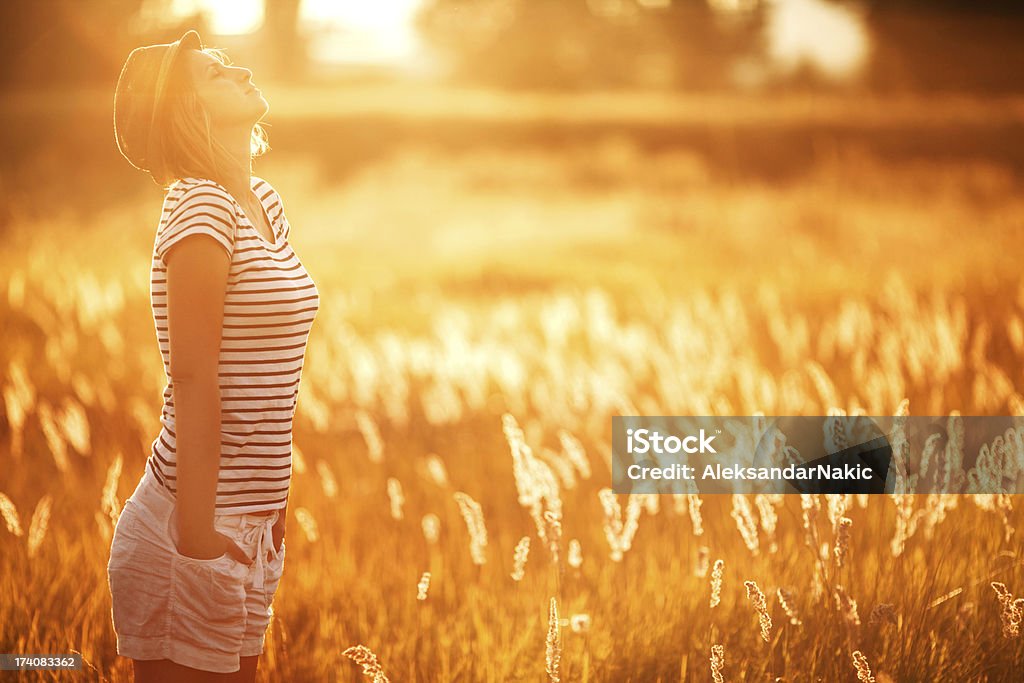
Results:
x,y
139,96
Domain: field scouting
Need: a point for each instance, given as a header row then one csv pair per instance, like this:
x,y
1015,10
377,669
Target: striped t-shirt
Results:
x,y
269,308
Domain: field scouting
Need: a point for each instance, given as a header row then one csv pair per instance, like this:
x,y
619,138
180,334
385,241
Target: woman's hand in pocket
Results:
x,y
235,550
214,547
278,530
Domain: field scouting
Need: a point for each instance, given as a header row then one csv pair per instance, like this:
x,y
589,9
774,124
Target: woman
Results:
x,y
199,548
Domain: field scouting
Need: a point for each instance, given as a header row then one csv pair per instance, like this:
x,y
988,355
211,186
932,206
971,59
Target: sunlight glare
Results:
x,y
227,17
373,32
832,38
381,31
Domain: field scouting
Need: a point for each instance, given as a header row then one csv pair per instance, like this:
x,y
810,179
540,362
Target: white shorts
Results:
x,y
204,614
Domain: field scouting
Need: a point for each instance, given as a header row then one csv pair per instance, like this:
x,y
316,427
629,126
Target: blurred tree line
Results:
x,y
696,44
575,44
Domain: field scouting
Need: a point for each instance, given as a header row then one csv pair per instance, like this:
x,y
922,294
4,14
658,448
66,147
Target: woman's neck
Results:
x,y
238,178
239,185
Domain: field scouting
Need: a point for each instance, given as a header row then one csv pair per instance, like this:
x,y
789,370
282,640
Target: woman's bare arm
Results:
x,y
197,274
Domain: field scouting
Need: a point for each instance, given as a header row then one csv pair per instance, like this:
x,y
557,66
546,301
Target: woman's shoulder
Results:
x,y
198,189
188,182
196,205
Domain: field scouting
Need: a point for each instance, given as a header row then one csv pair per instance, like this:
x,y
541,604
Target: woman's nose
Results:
x,y
244,74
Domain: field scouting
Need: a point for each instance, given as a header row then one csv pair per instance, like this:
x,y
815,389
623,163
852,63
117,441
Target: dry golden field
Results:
x,y
471,292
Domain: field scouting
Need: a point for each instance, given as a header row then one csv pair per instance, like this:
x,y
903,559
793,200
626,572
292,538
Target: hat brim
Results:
x,y
190,40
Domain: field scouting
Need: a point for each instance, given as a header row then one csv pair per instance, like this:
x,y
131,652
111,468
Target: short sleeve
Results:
x,y
200,209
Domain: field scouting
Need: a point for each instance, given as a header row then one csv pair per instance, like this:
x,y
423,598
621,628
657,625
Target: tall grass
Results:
x,y
478,330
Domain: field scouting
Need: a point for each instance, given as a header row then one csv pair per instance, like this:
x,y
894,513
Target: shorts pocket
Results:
x,y
201,560
208,601
209,596
276,565
271,582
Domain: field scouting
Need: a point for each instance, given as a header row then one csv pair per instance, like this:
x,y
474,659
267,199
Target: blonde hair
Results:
x,y
183,141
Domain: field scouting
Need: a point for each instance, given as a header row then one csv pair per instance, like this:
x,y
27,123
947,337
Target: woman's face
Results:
x,y
225,91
